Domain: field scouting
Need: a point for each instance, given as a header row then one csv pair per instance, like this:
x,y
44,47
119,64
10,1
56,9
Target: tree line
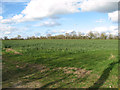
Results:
x,y
71,35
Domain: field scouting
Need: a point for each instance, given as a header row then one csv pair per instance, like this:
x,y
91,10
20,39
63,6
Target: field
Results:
x,y
60,63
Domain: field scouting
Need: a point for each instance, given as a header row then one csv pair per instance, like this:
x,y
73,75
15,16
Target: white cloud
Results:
x,y
16,19
59,31
4,27
15,0
1,11
49,24
113,16
1,17
100,29
62,31
6,30
100,20
112,29
9,30
39,9
104,6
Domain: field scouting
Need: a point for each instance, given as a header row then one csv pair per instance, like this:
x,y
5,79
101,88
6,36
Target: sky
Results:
x,y
39,18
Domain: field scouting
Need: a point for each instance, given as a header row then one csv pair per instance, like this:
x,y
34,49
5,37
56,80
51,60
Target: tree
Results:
x,y
60,36
79,35
96,35
73,34
110,36
18,37
5,38
103,36
91,35
33,37
49,36
67,35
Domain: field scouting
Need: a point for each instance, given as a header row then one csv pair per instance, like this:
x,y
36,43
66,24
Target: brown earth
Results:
x,y
12,50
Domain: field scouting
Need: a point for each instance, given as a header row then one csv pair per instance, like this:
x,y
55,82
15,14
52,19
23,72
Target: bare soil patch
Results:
x,y
112,57
12,50
76,71
34,84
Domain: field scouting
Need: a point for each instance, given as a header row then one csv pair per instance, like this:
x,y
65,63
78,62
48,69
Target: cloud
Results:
x,y
6,30
9,30
46,8
62,31
59,31
1,11
114,16
16,19
15,0
39,9
48,24
100,20
1,17
37,34
4,27
103,6
111,29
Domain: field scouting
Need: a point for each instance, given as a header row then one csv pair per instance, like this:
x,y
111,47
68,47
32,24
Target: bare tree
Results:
x,y
103,36
110,36
67,35
73,34
5,38
96,35
79,35
49,36
18,37
91,35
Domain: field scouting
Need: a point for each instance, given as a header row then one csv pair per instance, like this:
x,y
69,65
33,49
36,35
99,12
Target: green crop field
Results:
x,y
60,63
